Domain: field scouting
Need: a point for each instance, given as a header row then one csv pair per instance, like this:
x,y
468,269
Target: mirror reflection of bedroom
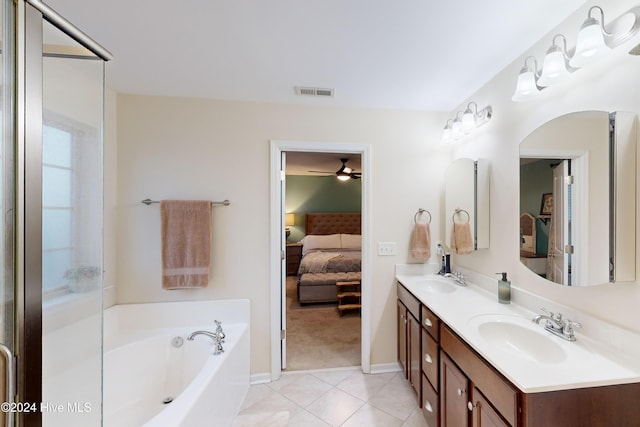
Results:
x,y
323,260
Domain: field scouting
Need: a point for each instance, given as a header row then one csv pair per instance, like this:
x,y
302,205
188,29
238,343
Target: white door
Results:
x,y
559,232
283,264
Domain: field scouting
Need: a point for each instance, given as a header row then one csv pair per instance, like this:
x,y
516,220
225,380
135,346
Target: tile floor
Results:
x,y
337,397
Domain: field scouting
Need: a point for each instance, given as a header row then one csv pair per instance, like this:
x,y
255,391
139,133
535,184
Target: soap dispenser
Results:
x,y
504,289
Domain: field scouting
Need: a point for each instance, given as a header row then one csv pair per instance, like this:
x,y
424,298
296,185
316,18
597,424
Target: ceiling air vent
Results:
x,y
314,91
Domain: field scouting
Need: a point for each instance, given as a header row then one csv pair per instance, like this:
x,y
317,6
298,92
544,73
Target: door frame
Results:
x,y
276,233
580,191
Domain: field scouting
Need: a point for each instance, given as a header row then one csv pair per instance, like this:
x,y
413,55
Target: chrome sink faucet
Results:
x,y
557,325
458,278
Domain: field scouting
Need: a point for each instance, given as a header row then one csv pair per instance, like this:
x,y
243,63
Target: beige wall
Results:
x,y
204,149
610,85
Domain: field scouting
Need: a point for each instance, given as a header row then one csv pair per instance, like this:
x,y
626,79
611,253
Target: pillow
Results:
x,y
351,241
318,242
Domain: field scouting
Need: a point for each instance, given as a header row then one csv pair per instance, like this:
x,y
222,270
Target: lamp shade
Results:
x,y
468,121
526,87
590,44
446,133
554,67
289,219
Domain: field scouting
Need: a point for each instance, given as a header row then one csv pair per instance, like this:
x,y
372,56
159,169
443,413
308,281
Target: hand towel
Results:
x,y
421,241
186,243
461,241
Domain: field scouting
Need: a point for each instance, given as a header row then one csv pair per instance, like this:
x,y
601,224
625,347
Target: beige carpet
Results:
x,y
317,337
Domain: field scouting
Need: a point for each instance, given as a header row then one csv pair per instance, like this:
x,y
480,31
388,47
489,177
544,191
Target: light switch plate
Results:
x,y
386,248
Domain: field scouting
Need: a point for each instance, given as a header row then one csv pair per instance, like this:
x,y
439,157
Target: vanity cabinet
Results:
x,y
472,392
456,387
446,375
419,352
409,348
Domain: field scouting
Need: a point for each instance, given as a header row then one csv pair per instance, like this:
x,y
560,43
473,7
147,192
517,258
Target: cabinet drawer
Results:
x,y
430,403
409,301
431,323
430,358
502,395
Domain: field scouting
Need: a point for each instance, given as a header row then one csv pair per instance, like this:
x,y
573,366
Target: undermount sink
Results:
x,y
519,337
435,286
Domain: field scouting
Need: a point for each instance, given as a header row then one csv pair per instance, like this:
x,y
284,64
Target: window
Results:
x,y
71,202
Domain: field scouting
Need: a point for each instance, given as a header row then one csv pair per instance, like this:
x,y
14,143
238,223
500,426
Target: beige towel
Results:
x,y
421,241
461,241
186,243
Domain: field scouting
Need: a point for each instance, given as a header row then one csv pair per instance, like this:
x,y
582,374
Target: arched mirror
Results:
x,y
578,198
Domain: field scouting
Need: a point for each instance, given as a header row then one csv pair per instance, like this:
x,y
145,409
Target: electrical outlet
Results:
x,y
386,248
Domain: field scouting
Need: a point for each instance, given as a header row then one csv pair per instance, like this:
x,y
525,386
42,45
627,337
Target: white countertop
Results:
x,y
568,364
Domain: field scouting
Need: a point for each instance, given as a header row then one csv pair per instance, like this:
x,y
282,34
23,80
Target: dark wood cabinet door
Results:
x,y
483,414
402,338
415,354
454,387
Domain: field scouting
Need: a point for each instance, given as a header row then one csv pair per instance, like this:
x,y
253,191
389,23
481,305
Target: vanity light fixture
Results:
x,y
471,119
474,119
593,42
554,66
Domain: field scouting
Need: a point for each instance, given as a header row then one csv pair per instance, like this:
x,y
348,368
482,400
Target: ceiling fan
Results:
x,y
344,173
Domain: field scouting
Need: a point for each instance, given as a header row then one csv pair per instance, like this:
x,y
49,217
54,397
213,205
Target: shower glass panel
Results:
x,y
73,93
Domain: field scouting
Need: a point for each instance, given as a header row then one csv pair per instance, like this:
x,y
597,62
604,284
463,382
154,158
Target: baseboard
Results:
x,y
385,368
260,378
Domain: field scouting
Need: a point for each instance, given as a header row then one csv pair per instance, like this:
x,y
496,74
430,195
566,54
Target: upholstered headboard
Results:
x,y
333,223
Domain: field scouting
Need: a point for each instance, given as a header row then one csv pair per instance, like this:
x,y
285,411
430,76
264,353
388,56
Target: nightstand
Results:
x,y
294,254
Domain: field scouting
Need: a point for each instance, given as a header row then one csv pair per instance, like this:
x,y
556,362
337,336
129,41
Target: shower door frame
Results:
x,y
28,256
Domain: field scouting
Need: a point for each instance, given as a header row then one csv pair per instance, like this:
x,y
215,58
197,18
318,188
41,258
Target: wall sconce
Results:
x,y
470,120
593,42
289,221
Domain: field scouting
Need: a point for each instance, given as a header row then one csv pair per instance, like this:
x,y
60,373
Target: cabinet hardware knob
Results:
x,y
427,406
461,391
470,406
427,358
427,322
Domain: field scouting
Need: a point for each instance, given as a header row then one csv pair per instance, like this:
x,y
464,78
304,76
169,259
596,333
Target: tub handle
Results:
x,y
10,369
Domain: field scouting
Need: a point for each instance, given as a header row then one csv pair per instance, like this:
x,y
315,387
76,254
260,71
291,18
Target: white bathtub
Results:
x,y
142,367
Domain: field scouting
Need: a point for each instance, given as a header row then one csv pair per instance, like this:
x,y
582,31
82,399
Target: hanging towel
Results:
x,y
461,241
186,243
421,241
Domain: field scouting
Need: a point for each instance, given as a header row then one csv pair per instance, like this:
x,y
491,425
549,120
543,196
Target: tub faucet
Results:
x,y
217,338
557,325
211,335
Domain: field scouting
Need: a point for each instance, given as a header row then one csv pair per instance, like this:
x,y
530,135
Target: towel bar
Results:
x,y
149,201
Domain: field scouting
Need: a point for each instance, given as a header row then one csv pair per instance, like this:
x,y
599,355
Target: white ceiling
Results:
x,y
408,54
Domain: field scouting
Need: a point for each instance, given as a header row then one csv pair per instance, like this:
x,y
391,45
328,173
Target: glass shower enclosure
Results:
x,y
52,137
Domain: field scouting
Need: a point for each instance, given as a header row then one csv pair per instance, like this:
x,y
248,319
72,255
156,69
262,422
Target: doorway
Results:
x,y
322,322
278,249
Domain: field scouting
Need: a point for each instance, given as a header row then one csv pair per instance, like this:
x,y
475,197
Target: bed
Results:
x,y
331,252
